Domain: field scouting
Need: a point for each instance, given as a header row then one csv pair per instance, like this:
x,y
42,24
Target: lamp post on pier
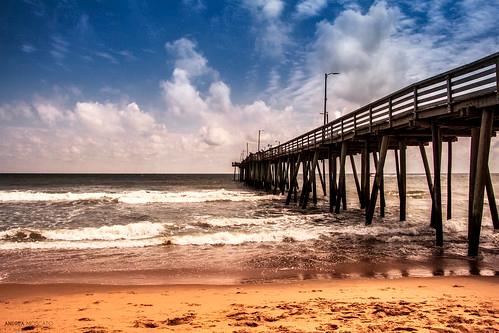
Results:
x,y
326,120
259,132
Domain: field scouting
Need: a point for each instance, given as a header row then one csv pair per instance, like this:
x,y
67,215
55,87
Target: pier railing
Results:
x,y
444,90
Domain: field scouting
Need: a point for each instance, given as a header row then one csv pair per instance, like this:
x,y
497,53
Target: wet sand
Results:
x,y
443,304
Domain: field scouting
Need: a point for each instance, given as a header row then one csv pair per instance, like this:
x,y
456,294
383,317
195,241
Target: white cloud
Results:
x,y
180,96
272,34
309,8
87,136
28,48
223,127
49,113
196,5
214,136
107,56
60,48
187,58
376,51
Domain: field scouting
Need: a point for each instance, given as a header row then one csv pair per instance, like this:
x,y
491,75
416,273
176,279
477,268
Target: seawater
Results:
x,y
147,229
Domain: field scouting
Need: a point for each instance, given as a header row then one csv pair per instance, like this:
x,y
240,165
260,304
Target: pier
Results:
x,y
463,102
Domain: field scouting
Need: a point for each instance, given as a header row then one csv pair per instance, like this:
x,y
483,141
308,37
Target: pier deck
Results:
x,y
463,102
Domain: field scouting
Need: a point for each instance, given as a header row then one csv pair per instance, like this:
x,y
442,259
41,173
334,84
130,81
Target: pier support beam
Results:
x,y
295,167
449,180
428,179
403,182
322,176
332,181
492,200
437,190
315,165
475,224
367,176
475,135
305,184
382,203
341,184
377,180
356,178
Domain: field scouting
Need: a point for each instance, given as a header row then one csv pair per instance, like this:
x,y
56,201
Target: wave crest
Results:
x,y
135,197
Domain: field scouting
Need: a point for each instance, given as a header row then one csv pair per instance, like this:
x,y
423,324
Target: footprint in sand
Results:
x,y
144,324
185,319
94,329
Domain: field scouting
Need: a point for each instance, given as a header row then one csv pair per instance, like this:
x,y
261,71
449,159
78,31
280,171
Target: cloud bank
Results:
x,y
198,127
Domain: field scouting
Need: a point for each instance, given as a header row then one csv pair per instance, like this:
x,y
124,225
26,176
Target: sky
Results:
x,y
182,86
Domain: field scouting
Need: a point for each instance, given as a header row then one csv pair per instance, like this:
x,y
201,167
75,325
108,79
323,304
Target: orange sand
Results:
x,y
447,304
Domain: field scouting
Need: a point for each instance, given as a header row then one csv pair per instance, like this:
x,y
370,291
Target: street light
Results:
x,y
259,132
325,95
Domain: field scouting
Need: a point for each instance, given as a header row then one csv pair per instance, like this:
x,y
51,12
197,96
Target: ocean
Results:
x,y
209,229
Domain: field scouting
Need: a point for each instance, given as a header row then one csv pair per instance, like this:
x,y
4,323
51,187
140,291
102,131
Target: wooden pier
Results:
x,y
463,102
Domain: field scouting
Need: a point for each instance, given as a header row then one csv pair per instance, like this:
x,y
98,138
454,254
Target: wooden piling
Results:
x,y
367,175
403,182
332,182
377,180
382,203
295,167
428,181
492,200
330,176
480,180
321,178
475,136
449,180
356,178
362,178
437,156
304,180
341,183
313,182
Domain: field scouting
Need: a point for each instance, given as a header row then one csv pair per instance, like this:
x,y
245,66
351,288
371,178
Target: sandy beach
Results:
x,y
444,304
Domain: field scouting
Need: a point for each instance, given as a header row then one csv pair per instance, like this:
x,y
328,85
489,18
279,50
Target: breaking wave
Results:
x,y
135,197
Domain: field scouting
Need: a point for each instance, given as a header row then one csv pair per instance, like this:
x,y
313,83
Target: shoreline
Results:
x,y
447,304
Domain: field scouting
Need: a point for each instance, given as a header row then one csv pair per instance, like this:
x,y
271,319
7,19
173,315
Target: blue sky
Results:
x,y
152,86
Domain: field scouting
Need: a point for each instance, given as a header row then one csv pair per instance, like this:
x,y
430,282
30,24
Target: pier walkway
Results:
x,y
463,102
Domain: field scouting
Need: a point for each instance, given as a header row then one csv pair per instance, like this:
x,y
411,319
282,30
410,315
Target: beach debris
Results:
x,y
288,239
25,236
94,329
145,324
185,319
28,328
251,324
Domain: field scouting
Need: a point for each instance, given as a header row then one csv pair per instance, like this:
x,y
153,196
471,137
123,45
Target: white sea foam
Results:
x,y
136,197
243,221
132,231
138,234
235,238
80,245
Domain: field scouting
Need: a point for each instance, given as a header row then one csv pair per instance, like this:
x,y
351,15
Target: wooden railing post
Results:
x,y
342,129
355,123
390,112
370,118
449,93
497,77
415,111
